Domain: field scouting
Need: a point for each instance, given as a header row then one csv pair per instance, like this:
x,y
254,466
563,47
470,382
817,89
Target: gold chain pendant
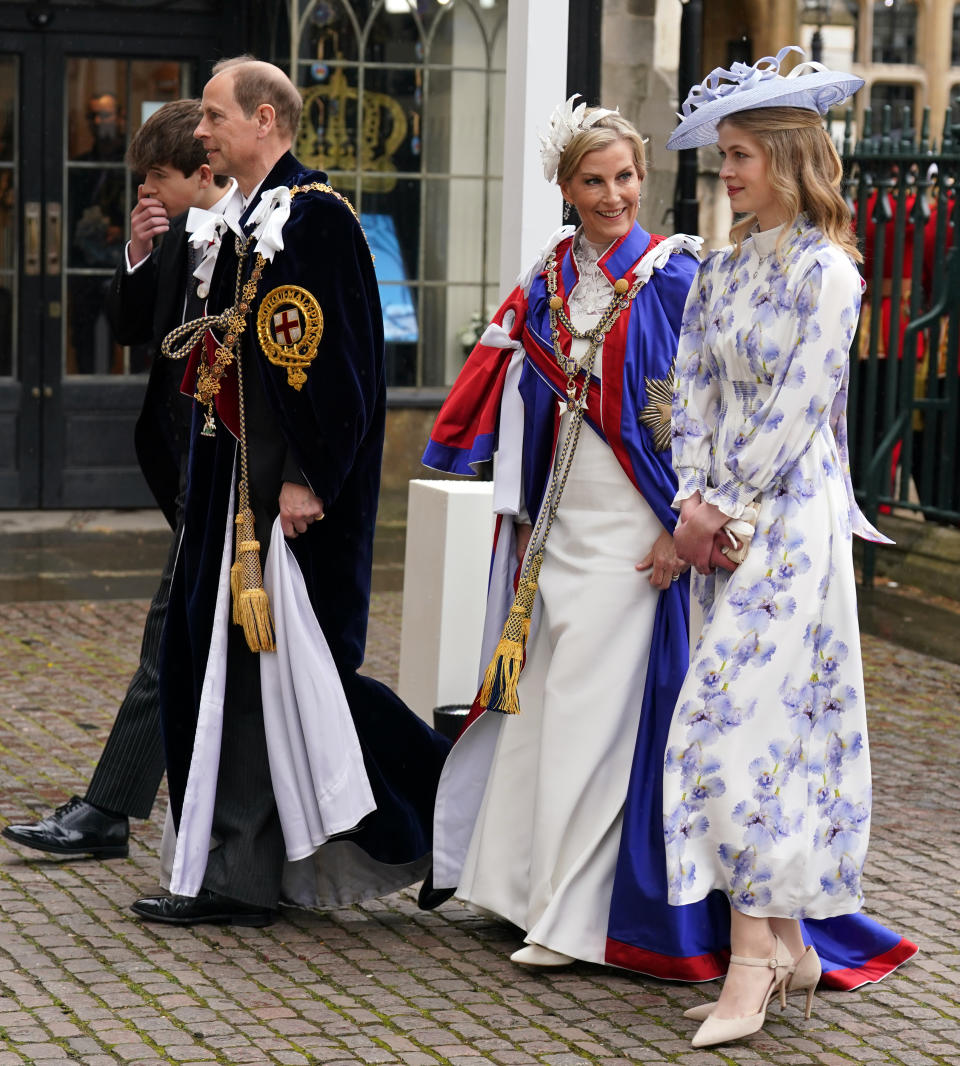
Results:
x,y
623,294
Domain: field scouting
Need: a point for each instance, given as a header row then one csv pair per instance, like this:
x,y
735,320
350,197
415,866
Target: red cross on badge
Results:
x,y
286,326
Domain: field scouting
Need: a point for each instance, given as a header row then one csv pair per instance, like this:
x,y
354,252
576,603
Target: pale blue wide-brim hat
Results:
x,y
744,88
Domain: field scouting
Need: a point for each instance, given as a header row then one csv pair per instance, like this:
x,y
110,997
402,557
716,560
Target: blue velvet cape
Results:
x,y
330,435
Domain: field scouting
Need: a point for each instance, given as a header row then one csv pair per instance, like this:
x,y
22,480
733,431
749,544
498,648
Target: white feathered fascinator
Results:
x,y
565,123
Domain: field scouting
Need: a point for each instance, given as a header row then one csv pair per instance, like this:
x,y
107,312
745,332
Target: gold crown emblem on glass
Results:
x,y
326,139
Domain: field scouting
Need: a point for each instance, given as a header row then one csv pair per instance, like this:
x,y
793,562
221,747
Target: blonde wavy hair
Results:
x,y
603,133
803,169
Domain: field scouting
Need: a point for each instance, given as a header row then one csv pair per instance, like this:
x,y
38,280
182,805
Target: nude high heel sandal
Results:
x,y
804,977
715,1030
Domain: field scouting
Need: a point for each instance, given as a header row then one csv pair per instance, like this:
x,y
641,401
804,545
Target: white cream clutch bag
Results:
x,y
740,531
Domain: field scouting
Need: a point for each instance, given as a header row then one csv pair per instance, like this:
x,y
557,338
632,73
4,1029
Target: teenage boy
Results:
x,y
150,294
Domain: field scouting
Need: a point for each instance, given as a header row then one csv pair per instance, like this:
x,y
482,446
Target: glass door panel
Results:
x,y
106,101
17,429
9,81
72,94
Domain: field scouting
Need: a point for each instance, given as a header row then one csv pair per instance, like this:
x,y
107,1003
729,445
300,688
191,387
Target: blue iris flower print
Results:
x,y
766,787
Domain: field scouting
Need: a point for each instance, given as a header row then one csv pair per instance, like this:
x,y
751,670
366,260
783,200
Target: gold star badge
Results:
x,y
656,415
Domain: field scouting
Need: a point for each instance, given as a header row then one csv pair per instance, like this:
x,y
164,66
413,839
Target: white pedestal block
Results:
x,y
447,563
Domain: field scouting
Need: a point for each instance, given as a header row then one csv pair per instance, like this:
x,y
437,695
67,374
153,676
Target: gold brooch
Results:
x,y
289,327
657,413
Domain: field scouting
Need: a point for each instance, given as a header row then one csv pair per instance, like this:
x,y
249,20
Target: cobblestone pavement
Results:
x,y
82,982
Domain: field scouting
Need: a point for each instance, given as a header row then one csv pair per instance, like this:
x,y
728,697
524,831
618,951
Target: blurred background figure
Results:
x,y
96,205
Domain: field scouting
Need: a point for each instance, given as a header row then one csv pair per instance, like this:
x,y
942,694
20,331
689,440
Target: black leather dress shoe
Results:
x,y
206,907
76,828
429,898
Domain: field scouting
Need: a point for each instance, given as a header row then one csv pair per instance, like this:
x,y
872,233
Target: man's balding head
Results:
x,y
256,82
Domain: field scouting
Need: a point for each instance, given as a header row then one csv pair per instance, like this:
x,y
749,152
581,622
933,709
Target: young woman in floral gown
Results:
x,y
767,771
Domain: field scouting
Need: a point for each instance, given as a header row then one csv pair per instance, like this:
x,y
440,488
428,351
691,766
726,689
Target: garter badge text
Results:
x,y
289,328
656,415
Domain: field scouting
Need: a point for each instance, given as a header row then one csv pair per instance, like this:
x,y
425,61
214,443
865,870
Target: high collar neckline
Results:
x,y
765,240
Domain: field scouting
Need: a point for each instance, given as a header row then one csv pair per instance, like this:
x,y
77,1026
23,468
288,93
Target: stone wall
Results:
x,y
641,40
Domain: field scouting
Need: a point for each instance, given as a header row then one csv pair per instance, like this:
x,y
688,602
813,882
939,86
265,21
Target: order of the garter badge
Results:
x,y
656,415
289,327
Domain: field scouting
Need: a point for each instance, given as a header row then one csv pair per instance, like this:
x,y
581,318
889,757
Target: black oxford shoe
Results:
x,y
206,907
76,828
429,898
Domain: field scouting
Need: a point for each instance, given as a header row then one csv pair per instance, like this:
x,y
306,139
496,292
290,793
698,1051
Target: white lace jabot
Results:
x,y
593,292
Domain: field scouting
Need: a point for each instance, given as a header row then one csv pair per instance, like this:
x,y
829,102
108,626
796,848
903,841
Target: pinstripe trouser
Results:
x,y
131,766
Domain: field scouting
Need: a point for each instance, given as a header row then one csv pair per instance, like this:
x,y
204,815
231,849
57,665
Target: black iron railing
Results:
x,y
903,407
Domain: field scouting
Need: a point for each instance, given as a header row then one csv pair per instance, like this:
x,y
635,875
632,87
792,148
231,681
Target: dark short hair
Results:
x,y
166,139
257,82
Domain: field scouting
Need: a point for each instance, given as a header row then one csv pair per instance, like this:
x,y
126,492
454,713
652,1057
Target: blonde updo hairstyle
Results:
x,y
803,169
603,133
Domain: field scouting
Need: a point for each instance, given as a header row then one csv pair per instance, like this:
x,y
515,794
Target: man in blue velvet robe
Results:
x,y
314,447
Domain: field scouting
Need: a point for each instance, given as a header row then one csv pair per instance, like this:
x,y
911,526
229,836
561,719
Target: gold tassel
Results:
x,y
251,606
235,572
256,620
244,532
499,689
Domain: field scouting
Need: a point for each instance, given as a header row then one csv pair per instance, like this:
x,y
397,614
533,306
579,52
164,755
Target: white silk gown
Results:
x,y
545,843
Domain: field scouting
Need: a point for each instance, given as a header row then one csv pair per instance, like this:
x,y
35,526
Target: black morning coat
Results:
x,y
328,435
142,308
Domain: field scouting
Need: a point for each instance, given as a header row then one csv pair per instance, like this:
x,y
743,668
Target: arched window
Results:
x,y
403,108
894,31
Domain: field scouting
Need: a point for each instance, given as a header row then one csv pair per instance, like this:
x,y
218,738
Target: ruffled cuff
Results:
x,y
731,497
691,481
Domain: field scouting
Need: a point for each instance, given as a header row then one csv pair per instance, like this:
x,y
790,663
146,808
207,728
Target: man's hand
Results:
x,y
148,219
298,508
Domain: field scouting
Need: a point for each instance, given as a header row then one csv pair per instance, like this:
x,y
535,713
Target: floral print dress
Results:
x,y
767,772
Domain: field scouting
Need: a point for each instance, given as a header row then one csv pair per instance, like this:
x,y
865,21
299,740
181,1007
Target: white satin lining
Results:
x,y
316,765
196,818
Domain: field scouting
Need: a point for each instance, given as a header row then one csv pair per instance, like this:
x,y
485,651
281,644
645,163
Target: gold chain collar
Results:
x,y
181,341
623,293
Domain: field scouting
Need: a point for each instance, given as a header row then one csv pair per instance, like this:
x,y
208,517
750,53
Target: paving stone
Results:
x,y
42,1052
82,982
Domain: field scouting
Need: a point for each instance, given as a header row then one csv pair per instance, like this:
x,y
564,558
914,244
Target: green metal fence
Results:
x,y
903,405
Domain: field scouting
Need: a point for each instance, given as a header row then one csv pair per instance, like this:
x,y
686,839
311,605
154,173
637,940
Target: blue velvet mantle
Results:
x,y
328,435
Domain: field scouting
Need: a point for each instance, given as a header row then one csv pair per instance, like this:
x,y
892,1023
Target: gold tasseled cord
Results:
x,y
499,689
